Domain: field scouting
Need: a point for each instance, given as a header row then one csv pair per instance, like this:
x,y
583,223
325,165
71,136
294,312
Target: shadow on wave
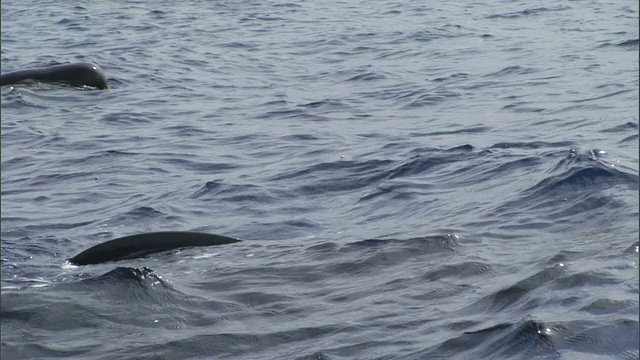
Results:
x,y
579,183
531,338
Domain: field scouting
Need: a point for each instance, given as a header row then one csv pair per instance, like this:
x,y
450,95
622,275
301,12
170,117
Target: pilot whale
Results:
x,y
77,74
141,245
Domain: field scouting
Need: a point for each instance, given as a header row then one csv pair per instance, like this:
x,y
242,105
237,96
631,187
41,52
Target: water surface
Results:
x,y
439,180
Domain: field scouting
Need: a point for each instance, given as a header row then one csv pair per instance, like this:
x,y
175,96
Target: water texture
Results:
x,y
412,180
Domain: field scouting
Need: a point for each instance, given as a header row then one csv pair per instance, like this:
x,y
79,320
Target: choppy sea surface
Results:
x,y
411,179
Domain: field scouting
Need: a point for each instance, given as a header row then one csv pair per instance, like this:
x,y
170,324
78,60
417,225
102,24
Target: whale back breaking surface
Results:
x,y
140,245
77,74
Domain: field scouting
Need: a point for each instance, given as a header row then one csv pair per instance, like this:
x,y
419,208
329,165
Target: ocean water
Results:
x,y
411,179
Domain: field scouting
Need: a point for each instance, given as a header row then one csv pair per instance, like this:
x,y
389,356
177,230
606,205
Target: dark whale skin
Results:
x,y
77,74
141,245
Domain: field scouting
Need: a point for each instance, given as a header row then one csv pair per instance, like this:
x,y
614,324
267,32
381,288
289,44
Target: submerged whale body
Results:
x,y
77,74
141,245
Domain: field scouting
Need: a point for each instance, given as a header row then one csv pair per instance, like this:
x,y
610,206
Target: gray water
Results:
x,y
412,180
